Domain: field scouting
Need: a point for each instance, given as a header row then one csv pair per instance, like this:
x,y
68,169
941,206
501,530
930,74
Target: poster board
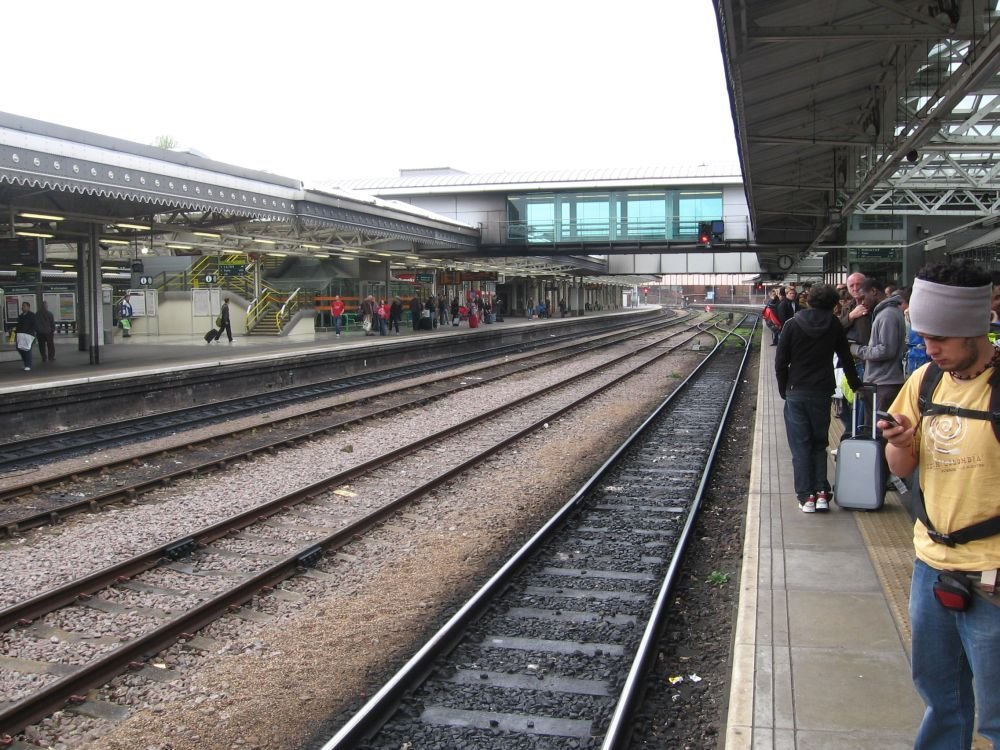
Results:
x,y
62,305
206,302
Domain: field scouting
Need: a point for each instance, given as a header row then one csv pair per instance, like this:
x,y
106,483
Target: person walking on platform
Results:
x,y
948,435
803,366
125,313
442,311
368,318
224,322
382,315
25,334
337,313
415,308
45,323
395,314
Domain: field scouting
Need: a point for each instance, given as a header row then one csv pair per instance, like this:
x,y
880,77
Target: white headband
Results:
x,y
950,311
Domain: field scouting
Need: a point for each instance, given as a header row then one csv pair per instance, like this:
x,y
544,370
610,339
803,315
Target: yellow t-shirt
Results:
x,y
959,471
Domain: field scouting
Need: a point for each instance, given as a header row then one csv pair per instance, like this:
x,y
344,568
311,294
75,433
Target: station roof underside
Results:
x,y
862,106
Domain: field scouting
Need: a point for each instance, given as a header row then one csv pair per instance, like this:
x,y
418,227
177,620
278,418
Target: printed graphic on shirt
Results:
x,y
945,436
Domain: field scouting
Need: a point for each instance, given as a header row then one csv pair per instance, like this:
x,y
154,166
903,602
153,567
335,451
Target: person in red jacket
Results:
x,y
337,311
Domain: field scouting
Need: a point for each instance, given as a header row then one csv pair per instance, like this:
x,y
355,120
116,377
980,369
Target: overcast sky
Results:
x,y
325,90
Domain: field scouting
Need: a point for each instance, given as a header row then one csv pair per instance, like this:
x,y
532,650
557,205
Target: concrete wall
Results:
x,y
175,317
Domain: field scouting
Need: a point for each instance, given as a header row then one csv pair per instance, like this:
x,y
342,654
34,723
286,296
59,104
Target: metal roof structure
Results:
x,y
862,106
185,203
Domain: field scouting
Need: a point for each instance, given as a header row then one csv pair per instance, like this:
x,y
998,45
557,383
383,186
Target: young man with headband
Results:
x,y
954,614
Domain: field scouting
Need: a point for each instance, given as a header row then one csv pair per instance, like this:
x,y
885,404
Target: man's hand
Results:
x,y
858,311
899,434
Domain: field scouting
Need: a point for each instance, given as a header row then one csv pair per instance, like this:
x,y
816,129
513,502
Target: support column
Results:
x,y
82,314
94,297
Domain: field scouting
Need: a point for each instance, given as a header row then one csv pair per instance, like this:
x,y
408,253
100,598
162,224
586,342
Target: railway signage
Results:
x,y
145,281
873,253
232,267
425,278
211,278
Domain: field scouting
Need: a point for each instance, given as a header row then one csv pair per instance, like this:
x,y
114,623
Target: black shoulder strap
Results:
x,y
926,405
983,529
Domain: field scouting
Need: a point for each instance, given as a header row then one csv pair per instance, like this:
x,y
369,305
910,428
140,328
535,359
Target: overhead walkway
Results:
x,y
821,653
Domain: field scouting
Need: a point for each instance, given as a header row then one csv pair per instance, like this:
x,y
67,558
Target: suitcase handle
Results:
x,y
869,389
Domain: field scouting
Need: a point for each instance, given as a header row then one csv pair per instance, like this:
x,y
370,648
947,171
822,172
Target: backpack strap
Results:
x,y
983,529
926,406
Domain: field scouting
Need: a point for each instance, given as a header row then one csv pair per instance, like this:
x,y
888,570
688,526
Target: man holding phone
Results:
x,y
954,612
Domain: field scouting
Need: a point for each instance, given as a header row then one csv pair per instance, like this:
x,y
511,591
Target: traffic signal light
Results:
x,y
704,234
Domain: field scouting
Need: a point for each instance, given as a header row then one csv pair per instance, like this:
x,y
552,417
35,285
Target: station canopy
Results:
x,y
56,183
877,107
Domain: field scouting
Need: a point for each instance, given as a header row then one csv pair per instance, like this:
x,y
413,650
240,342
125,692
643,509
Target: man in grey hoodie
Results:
x,y
883,354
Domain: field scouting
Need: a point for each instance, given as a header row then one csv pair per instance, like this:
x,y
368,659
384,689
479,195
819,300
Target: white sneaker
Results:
x,y
809,506
27,369
822,502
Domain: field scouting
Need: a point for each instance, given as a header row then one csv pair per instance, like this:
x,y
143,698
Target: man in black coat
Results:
x,y
803,365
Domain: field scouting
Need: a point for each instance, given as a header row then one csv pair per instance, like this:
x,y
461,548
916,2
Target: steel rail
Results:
x,y
16,452
131,491
620,727
376,710
51,698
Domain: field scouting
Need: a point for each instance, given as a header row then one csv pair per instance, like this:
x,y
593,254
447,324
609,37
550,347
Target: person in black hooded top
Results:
x,y
803,366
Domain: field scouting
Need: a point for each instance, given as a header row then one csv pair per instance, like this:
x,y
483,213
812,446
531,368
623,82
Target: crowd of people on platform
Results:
x,y
929,359
380,317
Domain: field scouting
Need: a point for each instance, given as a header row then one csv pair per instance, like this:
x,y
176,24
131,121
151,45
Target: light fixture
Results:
x,y
107,241
310,247
384,255
144,250
110,268
372,260
347,257
43,217
210,235
137,227
321,255
43,235
348,250
413,257
63,265
178,247
263,241
279,255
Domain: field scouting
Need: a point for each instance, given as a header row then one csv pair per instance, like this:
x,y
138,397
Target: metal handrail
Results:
x,y
288,309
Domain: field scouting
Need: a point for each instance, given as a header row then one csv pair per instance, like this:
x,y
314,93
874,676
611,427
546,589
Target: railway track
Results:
x,y
550,653
43,501
303,537
18,453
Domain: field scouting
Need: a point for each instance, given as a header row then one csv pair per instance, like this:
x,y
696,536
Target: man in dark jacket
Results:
x,y
788,306
803,365
45,324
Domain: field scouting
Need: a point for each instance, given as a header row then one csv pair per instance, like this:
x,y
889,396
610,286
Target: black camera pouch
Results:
x,y
953,590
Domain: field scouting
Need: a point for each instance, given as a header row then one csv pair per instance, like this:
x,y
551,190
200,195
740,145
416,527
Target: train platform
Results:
x,y
144,352
821,651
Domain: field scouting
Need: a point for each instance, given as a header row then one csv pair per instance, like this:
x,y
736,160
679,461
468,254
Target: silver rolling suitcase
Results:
x,y
862,471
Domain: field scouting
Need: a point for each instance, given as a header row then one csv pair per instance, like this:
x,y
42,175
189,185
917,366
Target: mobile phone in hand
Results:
x,y
884,416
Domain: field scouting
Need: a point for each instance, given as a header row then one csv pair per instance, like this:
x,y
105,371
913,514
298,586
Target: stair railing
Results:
x,y
288,309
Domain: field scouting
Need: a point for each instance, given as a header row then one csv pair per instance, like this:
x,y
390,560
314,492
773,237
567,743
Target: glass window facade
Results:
x,y
600,216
